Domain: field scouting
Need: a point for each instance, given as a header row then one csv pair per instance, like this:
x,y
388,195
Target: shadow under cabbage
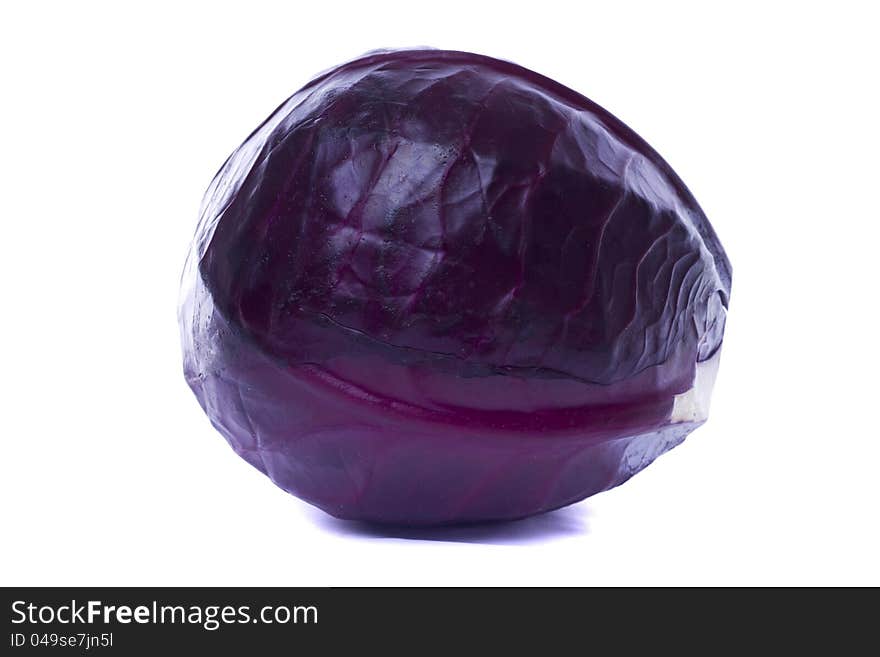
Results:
x,y
568,521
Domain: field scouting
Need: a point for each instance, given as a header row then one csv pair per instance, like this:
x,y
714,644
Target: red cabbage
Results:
x,y
435,287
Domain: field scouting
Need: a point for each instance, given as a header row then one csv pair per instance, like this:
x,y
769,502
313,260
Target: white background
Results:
x,y
113,121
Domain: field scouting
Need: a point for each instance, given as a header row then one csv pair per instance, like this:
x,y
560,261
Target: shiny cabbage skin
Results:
x,y
435,287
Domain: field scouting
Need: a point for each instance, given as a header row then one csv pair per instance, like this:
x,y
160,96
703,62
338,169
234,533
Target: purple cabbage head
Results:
x,y
435,287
